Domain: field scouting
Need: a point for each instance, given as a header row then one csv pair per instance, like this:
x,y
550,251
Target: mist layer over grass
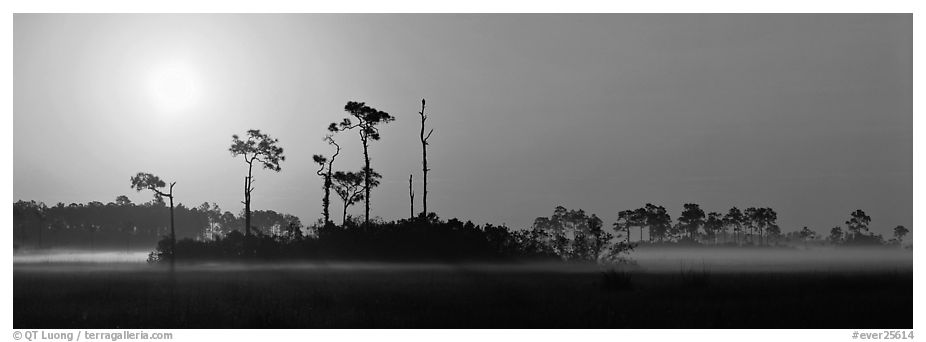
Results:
x,y
773,259
650,259
65,256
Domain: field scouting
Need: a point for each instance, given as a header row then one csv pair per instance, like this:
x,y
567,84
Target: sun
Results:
x,y
174,87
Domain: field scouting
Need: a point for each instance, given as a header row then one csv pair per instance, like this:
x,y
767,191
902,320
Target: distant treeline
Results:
x,y
208,232
749,227
122,224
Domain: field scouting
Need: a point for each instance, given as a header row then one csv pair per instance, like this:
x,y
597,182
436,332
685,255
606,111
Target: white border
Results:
x,y
481,6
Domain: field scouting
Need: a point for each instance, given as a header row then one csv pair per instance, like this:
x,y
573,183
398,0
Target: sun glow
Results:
x,y
174,87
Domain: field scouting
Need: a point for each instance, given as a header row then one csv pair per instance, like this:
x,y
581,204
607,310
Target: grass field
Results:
x,y
455,296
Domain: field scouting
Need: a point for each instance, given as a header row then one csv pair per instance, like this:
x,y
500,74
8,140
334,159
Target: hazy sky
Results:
x,y
808,114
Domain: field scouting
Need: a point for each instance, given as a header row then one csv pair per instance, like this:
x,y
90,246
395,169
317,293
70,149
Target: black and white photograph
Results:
x,y
462,171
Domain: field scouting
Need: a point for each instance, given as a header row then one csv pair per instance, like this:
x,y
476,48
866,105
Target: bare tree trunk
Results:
x,y
424,161
326,202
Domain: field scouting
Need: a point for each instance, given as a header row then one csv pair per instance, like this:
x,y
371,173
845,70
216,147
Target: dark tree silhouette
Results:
x,y
424,160
773,231
367,119
324,171
836,235
123,200
857,222
658,221
639,219
900,232
256,147
750,222
293,229
807,234
691,219
349,187
588,240
19,219
117,225
411,198
734,220
765,219
599,238
713,225
626,219
26,214
147,181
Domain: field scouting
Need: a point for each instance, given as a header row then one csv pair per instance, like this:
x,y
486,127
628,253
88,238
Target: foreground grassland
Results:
x,y
456,296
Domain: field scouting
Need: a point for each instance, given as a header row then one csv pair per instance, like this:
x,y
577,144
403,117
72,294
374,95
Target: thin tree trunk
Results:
x,y
411,197
173,235
247,207
344,215
326,202
247,200
424,161
326,199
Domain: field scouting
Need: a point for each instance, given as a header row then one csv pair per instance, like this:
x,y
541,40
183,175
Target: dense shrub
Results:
x,y
420,239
